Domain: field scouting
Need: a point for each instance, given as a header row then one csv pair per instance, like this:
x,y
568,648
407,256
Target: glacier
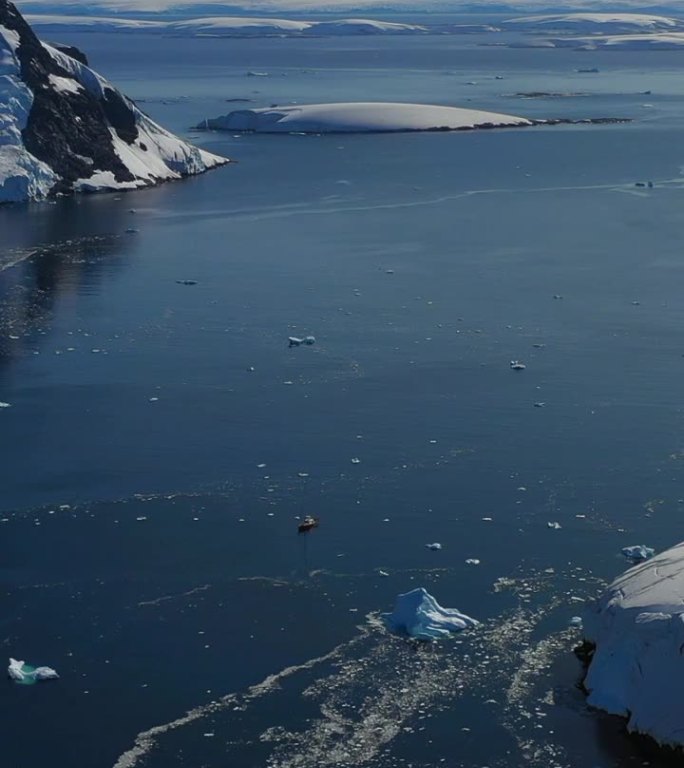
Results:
x,y
636,629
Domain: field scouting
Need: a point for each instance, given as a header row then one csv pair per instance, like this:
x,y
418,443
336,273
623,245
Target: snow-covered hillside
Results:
x,y
600,23
637,628
64,128
369,117
656,41
225,26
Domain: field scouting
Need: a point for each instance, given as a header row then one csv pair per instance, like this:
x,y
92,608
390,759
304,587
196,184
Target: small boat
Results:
x,y
308,524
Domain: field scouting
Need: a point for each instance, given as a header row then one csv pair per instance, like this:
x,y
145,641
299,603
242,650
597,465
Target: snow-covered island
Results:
x,y
360,117
636,630
64,128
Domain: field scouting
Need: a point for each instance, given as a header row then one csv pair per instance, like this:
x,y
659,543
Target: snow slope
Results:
x,y
596,22
64,128
663,41
637,626
359,117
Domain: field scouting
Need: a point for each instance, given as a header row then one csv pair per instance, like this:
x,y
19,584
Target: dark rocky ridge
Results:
x,y
66,130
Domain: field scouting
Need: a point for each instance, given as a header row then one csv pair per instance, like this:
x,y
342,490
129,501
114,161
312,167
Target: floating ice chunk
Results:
x,y
575,621
554,525
516,365
296,341
472,561
5,405
418,614
434,546
25,674
638,552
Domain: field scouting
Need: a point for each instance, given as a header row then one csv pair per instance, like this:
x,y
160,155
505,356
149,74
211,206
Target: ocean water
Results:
x,y
162,439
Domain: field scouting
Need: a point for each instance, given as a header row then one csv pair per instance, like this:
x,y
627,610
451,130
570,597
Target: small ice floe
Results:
x,y
131,231
382,573
554,525
417,614
296,341
540,405
186,282
638,552
575,621
516,365
5,405
472,561
434,546
25,674
356,460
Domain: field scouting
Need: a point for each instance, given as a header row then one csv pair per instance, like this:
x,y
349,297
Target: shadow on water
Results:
x,y
66,249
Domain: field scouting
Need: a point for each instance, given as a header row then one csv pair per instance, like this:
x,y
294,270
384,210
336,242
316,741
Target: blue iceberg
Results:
x,y
418,614
638,552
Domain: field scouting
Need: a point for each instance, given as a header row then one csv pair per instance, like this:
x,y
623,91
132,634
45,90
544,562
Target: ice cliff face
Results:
x,y
637,628
63,128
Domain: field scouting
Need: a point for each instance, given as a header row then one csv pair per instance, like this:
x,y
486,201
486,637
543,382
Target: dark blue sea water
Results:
x,y
163,439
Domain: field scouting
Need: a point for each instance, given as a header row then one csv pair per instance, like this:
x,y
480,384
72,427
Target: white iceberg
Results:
x,y
25,674
359,117
637,630
418,614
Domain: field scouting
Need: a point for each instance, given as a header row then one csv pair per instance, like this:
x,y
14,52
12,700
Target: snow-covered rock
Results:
x,y
418,614
24,674
637,628
64,128
595,22
359,117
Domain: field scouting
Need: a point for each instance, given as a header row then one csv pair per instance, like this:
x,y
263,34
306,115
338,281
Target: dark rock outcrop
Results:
x,y
64,129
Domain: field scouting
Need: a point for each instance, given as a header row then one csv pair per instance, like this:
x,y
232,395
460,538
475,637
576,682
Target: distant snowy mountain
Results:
x,y
196,8
226,26
64,128
601,23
